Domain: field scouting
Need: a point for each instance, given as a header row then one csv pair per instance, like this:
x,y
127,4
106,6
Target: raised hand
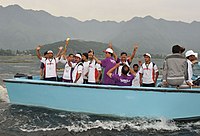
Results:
x,y
110,45
38,48
60,48
135,46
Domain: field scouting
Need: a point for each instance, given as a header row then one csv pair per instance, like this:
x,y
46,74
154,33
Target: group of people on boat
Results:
x,y
86,68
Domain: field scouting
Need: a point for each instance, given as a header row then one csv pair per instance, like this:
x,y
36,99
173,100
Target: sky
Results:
x,y
115,10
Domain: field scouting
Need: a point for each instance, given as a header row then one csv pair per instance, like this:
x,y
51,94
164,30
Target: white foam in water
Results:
x,y
140,125
3,94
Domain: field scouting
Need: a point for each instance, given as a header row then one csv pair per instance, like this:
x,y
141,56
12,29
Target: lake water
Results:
x,y
18,120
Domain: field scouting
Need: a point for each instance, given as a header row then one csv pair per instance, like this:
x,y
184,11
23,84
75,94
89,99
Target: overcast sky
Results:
x,y
116,10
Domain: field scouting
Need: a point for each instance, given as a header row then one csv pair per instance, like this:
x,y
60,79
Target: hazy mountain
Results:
x,y
24,29
76,46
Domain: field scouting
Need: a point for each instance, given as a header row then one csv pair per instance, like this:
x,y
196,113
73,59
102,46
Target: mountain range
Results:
x,y
22,29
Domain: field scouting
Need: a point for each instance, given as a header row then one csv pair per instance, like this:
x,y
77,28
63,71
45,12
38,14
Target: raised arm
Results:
x,y
134,52
66,46
114,54
97,60
59,51
132,71
109,73
38,52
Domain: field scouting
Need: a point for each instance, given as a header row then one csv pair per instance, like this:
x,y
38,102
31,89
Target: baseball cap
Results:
x,y
78,55
189,53
147,54
50,51
196,55
108,50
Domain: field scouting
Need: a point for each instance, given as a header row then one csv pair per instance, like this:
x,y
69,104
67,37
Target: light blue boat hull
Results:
x,y
107,100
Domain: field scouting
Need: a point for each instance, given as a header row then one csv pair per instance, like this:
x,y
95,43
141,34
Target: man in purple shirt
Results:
x,y
107,64
125,79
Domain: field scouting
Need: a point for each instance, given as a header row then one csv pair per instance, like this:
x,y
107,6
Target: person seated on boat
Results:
x,y
94,71
126,60
42,66
124,79
50,64
77,74
196,71
136,80
148,72
108,63
190,56
85,67
175,68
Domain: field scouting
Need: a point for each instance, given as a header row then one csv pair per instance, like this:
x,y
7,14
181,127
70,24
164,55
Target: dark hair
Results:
x,y
91,51
135,65
125,69
177,49
123,53
85,54
79,53
110,53
71,54
45,53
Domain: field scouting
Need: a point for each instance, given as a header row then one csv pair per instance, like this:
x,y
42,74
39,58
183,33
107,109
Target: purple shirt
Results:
x,y
107,64
123,80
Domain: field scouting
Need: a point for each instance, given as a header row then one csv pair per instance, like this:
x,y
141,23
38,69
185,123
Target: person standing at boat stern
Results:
x,y
108,63
77,74
50,64
175,68
124,79
148,72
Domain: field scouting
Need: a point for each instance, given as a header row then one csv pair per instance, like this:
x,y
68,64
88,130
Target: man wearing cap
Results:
x,y
50,64
175,68
190,56
196,71
77,74
108,63
148,72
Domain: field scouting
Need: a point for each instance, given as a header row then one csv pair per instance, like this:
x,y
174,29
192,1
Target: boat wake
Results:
x,y
141,125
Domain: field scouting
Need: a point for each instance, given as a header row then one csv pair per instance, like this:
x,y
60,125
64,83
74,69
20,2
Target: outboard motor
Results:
x,y
18,75
29,77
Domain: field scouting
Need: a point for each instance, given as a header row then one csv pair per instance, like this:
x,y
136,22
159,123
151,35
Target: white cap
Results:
x,y
147,54
78,55
196,55
109,50
50,51
189,53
